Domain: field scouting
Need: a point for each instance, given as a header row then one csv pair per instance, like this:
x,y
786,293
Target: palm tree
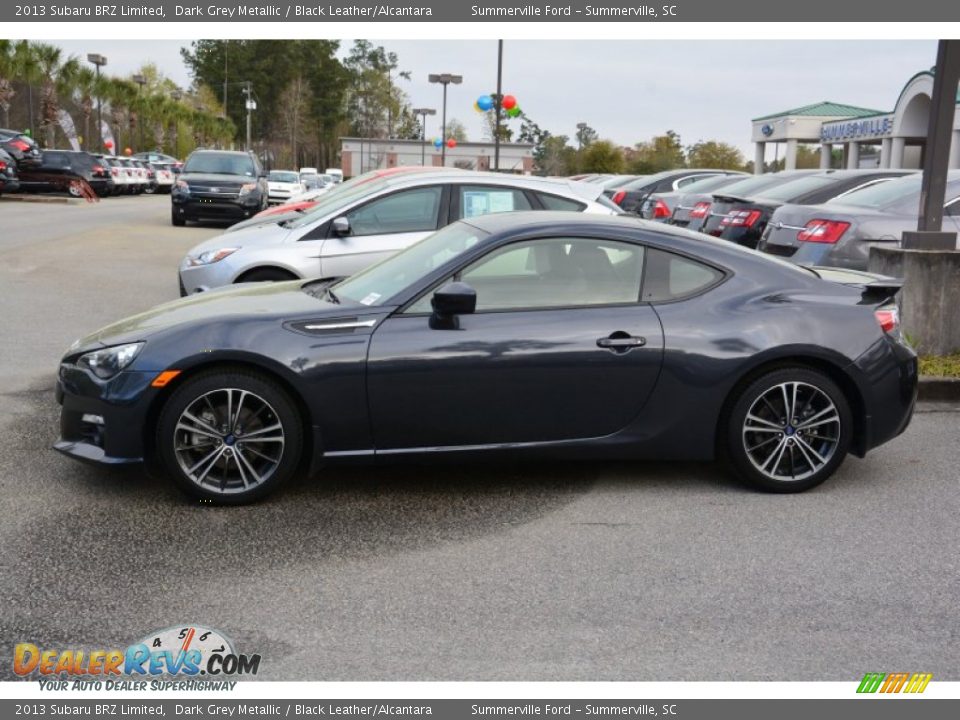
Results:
x,y
122,96
58,75
7,73
88,89
28,71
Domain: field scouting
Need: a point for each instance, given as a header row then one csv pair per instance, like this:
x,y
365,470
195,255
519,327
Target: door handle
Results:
x,y
621,342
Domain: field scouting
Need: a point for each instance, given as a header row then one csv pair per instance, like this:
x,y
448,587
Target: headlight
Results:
x,y
247,189
108,362
182,186
210,256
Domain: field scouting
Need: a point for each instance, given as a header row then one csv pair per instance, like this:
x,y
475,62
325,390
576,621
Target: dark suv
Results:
x,y
218,185
22,148
59,167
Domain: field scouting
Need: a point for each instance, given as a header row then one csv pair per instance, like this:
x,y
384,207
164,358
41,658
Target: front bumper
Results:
x,y
103,421
191,207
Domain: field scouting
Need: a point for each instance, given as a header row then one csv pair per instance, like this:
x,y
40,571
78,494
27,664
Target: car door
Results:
x,y
559,348
381,227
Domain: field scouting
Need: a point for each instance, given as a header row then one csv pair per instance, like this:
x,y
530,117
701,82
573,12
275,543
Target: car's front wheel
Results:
x,y
231,436
788,430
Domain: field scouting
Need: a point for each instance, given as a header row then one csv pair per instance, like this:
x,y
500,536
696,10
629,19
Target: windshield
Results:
x,y
382,281
901,193
283,177
219,164
340,196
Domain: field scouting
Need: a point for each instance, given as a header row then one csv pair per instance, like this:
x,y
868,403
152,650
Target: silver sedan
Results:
x,y
371,218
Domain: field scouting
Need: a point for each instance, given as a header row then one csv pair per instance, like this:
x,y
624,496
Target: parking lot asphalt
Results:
x,y
604,571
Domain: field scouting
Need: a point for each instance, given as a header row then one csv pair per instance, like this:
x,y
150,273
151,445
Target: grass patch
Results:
x,y
940,365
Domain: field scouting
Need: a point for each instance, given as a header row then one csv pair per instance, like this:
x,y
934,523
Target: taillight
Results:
x,y
822,231
20,145
98,169
660,209
3,165
888,319
619,196
114,171
740,218
700,210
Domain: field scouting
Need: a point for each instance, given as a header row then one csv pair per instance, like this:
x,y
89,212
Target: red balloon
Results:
x,y
451,143
108,144
509,102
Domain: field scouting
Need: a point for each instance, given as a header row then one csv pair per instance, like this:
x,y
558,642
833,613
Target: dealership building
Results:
x,y
892,139
360,155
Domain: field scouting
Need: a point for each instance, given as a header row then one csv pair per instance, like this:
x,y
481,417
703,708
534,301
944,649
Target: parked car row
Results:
x,y
817,217
27,168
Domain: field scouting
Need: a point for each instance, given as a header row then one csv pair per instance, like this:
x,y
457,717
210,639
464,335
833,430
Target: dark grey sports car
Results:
x,y
521,333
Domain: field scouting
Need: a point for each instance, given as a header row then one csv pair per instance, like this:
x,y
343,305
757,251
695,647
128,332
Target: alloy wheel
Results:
x,y
791,431
229,441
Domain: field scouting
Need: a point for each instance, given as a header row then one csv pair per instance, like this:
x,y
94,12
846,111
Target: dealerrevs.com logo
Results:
x,y
187,651
894,683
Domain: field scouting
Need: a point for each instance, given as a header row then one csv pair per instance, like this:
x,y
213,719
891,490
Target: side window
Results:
x,y
550,273
953,209
682,182
554,202
478,200
671,277
54,159
415,210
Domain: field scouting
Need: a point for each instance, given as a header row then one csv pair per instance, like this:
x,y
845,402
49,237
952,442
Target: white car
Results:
x,y
283,185
371,218
336,174
163,177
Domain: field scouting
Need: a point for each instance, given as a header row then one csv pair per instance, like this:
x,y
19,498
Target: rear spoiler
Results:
x,y
730,198
880,290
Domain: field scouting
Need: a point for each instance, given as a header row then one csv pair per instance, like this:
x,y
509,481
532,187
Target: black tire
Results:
x,y
267,275
808,454
225,482
176,219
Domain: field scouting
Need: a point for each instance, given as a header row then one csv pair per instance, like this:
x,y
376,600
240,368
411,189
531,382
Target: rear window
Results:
x,y
796,188
752,185
284,177
899,194
672,277
553,202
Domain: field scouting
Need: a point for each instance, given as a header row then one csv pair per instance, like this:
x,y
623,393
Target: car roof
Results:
x,y
584,191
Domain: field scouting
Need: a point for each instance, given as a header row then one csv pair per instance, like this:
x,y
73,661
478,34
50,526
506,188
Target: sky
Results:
x,y
627,90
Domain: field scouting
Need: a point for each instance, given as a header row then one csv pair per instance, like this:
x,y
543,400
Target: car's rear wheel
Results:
x,y
231,436
176,219
788,430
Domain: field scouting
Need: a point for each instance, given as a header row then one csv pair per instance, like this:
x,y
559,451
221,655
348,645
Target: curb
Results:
x,y
939,389
40,199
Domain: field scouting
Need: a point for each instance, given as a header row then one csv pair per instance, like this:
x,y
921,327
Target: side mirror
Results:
x,y
341,226
454,298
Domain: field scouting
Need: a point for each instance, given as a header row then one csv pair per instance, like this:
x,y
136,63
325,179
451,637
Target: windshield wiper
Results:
x,y
333,296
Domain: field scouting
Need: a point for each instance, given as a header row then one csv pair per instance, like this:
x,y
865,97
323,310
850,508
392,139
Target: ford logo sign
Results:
x,y
767,130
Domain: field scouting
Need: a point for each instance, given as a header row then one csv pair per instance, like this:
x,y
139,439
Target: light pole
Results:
x,y
99,61
140,80
251,106
423,112
445,79
177,96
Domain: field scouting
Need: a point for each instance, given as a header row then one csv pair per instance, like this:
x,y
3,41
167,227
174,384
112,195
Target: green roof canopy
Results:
x,y
824,109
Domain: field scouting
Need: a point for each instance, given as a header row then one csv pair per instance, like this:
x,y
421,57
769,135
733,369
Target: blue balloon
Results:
x,y
437,143
485,102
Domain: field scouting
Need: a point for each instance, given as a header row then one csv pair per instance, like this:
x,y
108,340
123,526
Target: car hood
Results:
x,y
284,299
261,234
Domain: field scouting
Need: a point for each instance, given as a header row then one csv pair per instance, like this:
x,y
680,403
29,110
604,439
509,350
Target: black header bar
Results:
x,y
672,11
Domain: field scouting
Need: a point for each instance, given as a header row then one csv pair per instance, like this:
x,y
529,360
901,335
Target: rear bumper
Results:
x,y
9,185
889,381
